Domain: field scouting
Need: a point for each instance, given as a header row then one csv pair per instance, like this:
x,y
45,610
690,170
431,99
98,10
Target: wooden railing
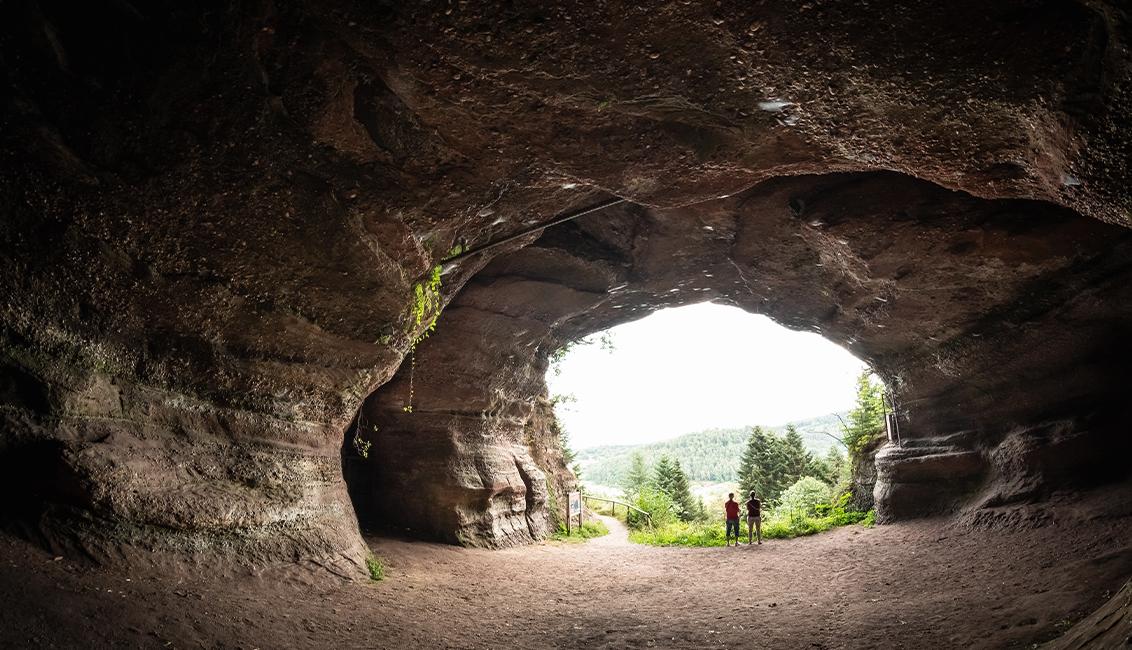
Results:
x,y
615,503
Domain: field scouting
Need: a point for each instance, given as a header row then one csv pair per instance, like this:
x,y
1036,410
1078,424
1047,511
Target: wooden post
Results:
x,y
568,515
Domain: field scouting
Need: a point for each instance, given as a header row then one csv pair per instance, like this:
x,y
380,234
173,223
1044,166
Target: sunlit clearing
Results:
x,y
698,367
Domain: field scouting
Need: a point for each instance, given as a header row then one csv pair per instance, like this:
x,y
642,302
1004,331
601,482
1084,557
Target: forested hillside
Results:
x,y
710,455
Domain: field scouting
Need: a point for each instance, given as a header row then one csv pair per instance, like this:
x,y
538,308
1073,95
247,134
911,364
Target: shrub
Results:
x,y
657,504
375,567
804,496
870,519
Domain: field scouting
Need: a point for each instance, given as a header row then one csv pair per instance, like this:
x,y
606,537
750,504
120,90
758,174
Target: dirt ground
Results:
x,y
914,585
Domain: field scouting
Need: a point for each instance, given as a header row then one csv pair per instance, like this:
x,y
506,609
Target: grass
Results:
x,y
712,533
589,530
375,567
606,509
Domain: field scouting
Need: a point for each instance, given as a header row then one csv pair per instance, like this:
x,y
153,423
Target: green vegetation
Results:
x,y
563,436
375,567
771,463
800,494
426,302
588,530
657,504
805,496
710,456
603,339
866,420
362,446
670,480
663,492
637,477
870,519
552,504
777,524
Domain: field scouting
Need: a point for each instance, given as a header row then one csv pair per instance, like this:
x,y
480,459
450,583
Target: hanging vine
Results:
x,y
426,301
361,445
426,304
408,408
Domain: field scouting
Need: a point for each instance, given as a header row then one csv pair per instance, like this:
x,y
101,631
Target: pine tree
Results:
x,y
775,465
796,459
749,463
699,512
761,466
834,466
866,419
662,474
637,478
670,479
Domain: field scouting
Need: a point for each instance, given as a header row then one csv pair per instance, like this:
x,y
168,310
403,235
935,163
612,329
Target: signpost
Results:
x,y
575,508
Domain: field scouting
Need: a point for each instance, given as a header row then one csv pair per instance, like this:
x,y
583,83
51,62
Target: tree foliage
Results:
x,y
866,419
669,478
638,477
771,463
804,496
796,460
711,455
831,468
569,456
654,502
603,339
762,465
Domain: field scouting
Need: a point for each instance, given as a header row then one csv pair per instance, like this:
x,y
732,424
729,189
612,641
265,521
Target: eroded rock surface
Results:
x,y
218,222
944,294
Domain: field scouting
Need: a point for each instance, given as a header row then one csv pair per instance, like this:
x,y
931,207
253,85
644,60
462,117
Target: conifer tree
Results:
x,y
796,459
637,478
866,419
761,467
749,463
834,466
699,512
670,479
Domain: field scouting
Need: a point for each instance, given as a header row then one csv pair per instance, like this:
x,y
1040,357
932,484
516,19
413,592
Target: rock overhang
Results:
x,y
214,228
946,295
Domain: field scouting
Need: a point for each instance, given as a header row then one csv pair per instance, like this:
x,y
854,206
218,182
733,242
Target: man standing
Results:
x,y
732,510
754,519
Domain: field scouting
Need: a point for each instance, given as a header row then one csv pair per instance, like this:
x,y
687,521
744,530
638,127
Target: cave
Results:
x,y
881,263
239,238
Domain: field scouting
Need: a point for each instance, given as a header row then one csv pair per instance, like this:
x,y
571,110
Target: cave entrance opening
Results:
x,y
689,383
946,295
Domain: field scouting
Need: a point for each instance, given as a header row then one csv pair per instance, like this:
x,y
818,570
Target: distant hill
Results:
x,y
710,455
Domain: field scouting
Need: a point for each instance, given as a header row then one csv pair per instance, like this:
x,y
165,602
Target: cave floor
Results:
x,y
913,585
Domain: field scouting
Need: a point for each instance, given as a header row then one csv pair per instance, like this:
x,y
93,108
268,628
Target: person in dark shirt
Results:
x,y
731,507
754,519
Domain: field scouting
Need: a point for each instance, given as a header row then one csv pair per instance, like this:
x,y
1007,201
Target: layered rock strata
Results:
x,y
219,224
955,301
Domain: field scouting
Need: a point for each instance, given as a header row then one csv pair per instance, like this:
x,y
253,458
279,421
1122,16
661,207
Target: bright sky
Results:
x,y
697,367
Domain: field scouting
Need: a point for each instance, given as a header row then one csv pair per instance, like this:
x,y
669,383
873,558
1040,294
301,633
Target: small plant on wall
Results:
x,y
426,301
426,305
361,445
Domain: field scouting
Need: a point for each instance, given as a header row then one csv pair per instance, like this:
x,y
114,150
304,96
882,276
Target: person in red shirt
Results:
x,y
731,507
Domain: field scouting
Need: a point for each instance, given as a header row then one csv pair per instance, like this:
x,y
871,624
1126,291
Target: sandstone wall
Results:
x,y
946,295
216,220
